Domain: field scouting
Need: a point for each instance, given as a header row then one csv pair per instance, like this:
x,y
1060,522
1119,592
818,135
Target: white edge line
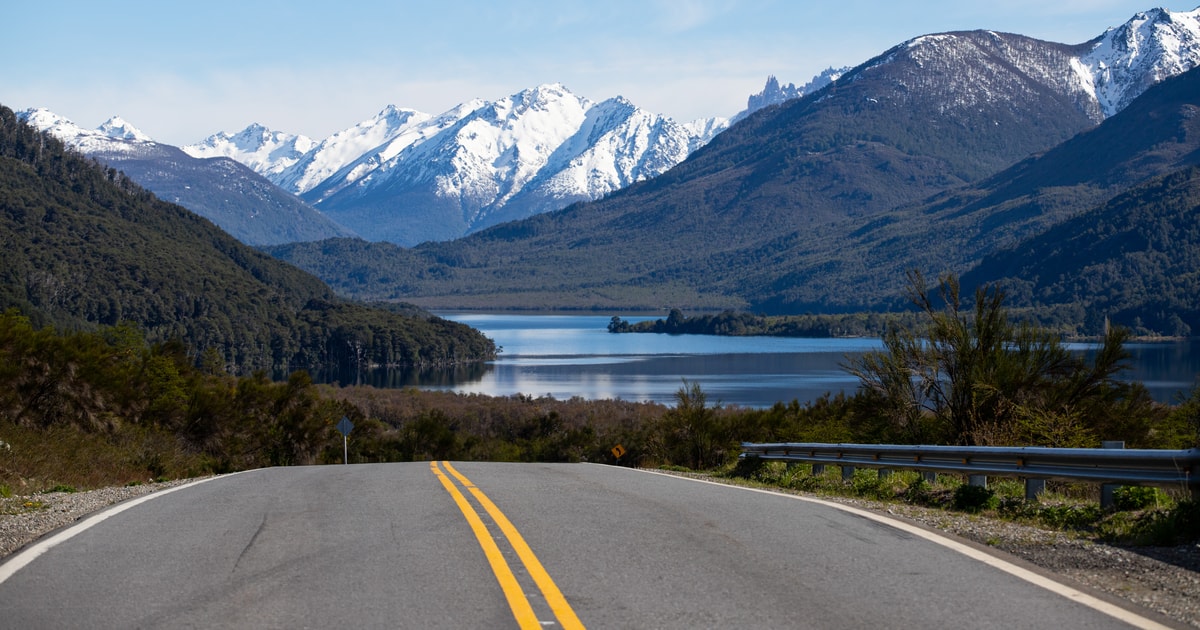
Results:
x,y
31,553
1068,592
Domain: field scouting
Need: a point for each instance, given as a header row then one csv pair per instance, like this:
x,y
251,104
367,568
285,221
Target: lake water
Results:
x,y
565,356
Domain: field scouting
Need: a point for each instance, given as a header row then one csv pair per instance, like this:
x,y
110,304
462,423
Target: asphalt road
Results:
x,y
390,545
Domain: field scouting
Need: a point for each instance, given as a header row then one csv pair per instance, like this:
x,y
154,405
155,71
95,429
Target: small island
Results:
x,y
735,324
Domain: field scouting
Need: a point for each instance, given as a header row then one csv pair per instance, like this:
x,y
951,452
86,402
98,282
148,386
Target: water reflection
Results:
x,y
568,356
431,378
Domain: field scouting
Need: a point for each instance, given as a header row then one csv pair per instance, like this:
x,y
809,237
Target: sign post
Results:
x,y
345,427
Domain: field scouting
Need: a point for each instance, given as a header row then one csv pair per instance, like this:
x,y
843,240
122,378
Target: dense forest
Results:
x,y
85,247
1135,260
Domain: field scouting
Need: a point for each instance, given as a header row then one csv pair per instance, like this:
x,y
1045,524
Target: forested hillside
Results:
x,y
85,246
1157,134
243,203
1134,260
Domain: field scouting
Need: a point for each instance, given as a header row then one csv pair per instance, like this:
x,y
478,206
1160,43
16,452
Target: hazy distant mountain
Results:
x,y
373,176
773,93
367,143
222,190
538,150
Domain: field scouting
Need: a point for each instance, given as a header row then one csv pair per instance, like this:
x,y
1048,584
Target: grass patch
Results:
x,y
1141,516
64,459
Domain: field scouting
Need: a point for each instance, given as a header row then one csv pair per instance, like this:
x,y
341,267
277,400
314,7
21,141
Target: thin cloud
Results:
x,y
679,16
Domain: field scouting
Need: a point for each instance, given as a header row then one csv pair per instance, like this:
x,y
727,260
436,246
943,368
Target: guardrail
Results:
x,y
1110,466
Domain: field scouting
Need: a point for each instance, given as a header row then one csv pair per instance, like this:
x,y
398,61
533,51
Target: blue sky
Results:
x,y
181,70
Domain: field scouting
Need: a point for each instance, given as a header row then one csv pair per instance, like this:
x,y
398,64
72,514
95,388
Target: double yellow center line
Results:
x,y
517,600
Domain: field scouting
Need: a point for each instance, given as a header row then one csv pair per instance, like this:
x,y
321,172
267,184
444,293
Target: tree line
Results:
x,y
966,375
737,324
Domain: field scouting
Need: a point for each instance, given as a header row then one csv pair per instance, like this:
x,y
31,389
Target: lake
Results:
x,y
565,356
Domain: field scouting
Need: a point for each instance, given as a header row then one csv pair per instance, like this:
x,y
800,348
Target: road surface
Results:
x,y
483,545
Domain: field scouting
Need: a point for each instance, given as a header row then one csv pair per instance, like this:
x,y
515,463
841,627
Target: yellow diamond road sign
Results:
x,y
618,451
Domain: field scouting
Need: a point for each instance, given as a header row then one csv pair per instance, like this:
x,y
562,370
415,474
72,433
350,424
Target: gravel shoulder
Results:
x,y
24,519
1162,579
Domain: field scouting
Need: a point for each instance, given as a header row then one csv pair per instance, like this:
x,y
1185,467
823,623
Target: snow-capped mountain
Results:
x,y
615,145
1100,76
222,190
114,135
1126,60
267,152
348,156
409,177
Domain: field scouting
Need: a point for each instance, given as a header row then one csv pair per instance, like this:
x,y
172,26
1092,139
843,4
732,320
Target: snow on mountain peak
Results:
x,y
371,141
43,119
491,154
264,151
114,135
117,128
1150,47
532,151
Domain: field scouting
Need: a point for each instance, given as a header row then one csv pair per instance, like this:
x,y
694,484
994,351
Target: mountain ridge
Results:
x,y
220,189
727,227
630,148
377,181
1157,134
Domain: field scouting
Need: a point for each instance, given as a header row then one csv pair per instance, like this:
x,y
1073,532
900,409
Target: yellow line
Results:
x,y
562,610
517,601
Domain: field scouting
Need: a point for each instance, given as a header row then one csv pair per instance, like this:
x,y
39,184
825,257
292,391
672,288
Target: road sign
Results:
x,y
618,451
344,426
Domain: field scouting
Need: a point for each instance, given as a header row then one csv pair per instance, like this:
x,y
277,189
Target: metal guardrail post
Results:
x,y
1107,490
847,473
1034,489
977,480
